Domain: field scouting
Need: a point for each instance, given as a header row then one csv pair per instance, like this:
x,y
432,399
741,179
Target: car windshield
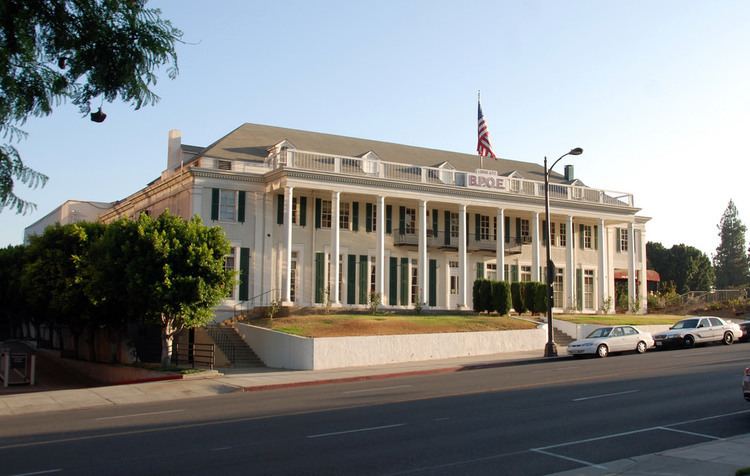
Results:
x,y
686,324
601,332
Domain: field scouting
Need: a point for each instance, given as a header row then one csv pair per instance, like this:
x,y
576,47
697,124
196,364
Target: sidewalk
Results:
x,y
721,457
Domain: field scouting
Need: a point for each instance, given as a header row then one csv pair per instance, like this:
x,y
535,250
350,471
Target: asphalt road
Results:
x,y
531,419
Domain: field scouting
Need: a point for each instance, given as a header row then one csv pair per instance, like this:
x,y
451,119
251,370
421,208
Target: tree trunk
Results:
x,y
166,342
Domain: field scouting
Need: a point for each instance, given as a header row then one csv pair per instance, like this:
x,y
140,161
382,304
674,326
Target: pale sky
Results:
x,y
657,93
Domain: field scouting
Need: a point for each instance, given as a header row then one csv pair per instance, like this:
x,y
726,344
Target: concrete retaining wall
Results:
x,y
281,350
580,331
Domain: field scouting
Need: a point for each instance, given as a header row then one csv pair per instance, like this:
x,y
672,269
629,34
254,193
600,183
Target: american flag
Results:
x,y
484,149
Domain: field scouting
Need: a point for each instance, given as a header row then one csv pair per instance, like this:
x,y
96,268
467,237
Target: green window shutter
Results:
x,y
318,211
393,282
434,223
241,207
388,219
244,273
447,228
404,281
214,203
507,229
618,242
477,227
401,220
579,288
494,227
363,273
518,230
480,270
368,217
319,276
280,210
355,216
433,283
351,275
596,237
302,211
544,232
514,273
581,237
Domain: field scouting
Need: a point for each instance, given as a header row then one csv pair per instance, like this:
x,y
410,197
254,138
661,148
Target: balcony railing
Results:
x,y
392,171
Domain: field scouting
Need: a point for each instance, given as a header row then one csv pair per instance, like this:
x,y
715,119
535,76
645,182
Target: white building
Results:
x,y
72,211
410,223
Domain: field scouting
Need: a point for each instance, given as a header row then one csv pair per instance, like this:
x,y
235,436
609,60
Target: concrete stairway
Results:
x,y
234,347
562,338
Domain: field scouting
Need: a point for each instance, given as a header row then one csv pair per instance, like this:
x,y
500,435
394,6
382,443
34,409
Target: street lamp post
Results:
x,y
550,350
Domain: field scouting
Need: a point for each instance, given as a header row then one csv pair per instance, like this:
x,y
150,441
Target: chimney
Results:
x,y
174,151
569,174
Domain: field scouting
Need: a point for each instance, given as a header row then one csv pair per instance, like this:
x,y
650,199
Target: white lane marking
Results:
x,y
575,460
137,415
441,419
39,472
223,448
358,430
702,435
604,395
377,389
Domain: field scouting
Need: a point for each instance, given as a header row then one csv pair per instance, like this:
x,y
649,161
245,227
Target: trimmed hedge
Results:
x,y
518,295
489,296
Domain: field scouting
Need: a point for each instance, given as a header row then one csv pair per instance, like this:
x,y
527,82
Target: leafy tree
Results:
x,y
731,262
13,305
169,271
687,267
78,50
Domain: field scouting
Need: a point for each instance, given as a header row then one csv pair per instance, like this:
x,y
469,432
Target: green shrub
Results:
x,y
517,295
475,291
540,299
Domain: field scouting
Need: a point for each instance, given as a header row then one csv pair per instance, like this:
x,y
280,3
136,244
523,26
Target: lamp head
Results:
x,y
576,151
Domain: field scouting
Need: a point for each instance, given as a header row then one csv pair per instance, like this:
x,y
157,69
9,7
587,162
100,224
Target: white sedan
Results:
x,y
604,340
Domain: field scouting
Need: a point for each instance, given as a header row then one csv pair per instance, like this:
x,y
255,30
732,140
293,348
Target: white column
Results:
x,y
422,251
257,249
643,285
287,249
570,264
631,264
602,238
462,261
380,252
500,245
335,248
535,246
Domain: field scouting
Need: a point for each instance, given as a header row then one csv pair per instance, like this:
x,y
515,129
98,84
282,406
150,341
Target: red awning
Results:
x,y
651,275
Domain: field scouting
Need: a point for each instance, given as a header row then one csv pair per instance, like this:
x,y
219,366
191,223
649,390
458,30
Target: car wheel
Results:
x,y
602,351
688,341
641,347
728,338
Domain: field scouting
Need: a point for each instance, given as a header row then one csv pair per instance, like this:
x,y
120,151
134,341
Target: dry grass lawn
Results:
x,y
339,325
622,319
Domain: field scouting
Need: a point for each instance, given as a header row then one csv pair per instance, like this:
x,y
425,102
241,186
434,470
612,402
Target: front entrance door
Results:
x,y
453,283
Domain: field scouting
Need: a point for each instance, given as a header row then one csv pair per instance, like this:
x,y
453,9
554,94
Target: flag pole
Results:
x,y
481,159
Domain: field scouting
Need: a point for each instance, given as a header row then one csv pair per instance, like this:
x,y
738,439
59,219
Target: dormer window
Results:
x,y
370,162
224,164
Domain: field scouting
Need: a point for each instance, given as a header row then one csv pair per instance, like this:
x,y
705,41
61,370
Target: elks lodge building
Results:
x,y
324,220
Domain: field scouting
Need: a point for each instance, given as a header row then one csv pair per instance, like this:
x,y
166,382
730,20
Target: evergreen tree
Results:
x,y
78,50
731,262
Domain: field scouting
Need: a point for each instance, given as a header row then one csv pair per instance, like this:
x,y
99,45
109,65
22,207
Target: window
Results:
x,y
229,261
484,227
410,221
374,217
491,271
293,285
506,270
623,239
525,236
228,205
557,288
587,237
325,214
715,322
563,234
525,273
552,234
629,331
224,164
454,278
454,226
344,215
295,212
373,275
588,288
414,281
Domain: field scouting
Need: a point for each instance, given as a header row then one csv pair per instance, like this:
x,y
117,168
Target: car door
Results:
x,y
630,341
719,328
617,340
704,332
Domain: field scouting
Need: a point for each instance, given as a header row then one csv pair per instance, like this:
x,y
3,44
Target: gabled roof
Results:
x,y
252,141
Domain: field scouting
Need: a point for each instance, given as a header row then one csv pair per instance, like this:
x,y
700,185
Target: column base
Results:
x,y
550,349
